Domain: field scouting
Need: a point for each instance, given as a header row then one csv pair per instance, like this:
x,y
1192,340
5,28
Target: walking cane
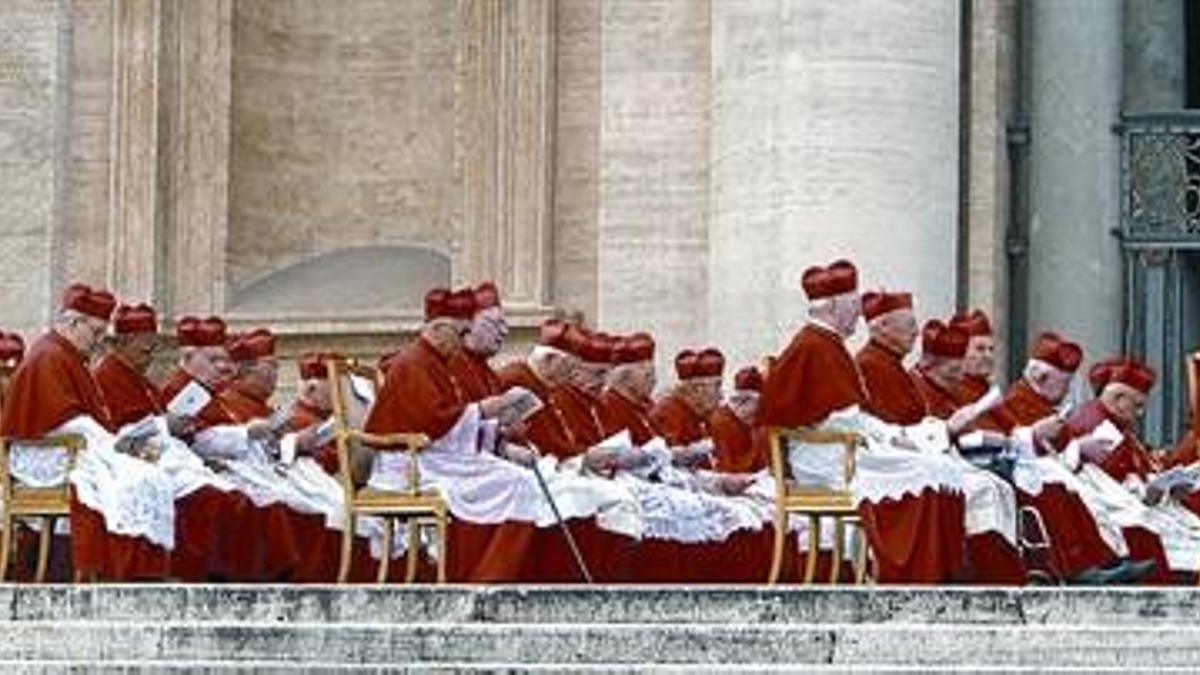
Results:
x,y
579,562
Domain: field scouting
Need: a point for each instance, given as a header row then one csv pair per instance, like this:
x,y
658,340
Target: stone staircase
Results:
x,y
615,629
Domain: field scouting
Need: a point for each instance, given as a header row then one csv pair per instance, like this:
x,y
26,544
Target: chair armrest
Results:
x,y
414,442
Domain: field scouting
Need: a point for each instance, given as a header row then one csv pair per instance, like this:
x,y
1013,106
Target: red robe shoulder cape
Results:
x,y
547,428
618,413
128,394
243,406
941,402
677,422
814,377
419,395
474,375
892,393
739,446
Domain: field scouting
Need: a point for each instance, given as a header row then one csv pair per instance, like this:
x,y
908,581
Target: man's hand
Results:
x,y
1180,491
1047,429
307,442
1094,449
1154,495
600,460
735,484
259,431
519,454
959,421
180,426
491,406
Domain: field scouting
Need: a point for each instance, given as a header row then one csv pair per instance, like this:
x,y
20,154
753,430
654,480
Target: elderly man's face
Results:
x,y
260,376
211,366
980,356
138,350
317,393
1053,384
846,310
86,333
1123,402
947,371
744,404
897,329
704,393
487,333
589,377
445,335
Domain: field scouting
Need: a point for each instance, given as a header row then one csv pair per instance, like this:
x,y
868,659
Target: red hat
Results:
x,y
599,348
642,347
443,303
312,365
96,303
823,282
553,334
938,339
575,341
975,324
875,304
1101,372
133,319
1134,374
435,303
256,344
748,379
194,332
486,296
1053,349
12,347
710,363
686,364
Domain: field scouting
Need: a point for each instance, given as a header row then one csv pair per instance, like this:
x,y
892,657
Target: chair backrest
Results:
x,y
780,469
1193,375
71,443
349,415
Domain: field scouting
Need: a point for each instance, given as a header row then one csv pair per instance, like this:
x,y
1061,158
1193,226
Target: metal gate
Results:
x,y
1160,242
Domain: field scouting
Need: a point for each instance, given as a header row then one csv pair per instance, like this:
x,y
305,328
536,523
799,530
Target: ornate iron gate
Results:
x,y
1160,242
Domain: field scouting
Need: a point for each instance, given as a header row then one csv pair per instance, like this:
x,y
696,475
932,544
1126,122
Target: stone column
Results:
x,y
826,144
653,176
1154,49
134,237
1074,261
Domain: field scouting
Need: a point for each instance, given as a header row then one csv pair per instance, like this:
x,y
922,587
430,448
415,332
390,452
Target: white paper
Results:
x,y
1187,476
362,388
190,401
521,404
1107,431
973,411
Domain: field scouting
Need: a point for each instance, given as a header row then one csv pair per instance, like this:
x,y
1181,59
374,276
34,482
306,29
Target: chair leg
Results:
x,y
7,541
385,555
839,537
43,558
347,549
781,532
443,546
413,550
860,555
814,548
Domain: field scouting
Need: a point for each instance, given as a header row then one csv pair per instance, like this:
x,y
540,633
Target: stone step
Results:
x,y
610,605
265,667
590,643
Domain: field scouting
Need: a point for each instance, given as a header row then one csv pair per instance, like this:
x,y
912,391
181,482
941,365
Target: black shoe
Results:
x,y
1136,570
1098,576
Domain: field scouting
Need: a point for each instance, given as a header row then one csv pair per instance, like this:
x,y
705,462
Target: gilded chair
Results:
x,y
355,448
815,503
47,504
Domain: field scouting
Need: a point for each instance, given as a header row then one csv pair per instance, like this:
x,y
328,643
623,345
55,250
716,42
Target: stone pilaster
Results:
x,y
134,233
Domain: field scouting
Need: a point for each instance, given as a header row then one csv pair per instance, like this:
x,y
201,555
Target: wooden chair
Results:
x,y
418,507
21,501
814,503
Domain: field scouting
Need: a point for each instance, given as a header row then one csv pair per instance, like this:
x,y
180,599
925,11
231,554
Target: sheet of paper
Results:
x,y
362,388
522,403
190,401
1109,432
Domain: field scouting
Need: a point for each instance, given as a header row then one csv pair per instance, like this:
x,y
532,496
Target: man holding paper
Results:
x,y
123,515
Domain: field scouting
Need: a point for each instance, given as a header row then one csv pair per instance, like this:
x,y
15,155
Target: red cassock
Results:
x,y
1076,544
475,375
421,395
916,539
244,406
579,412
973,388
1128,458
893,395
50,387
990,556
129,395
224,533
618,413
677,422
739,447
546,429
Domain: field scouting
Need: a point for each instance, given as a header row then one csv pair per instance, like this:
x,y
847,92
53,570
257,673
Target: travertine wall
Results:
x,y
33,115
342,130
826,143
654,179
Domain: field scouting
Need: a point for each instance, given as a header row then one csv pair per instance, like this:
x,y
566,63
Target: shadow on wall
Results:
x,y
377,278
